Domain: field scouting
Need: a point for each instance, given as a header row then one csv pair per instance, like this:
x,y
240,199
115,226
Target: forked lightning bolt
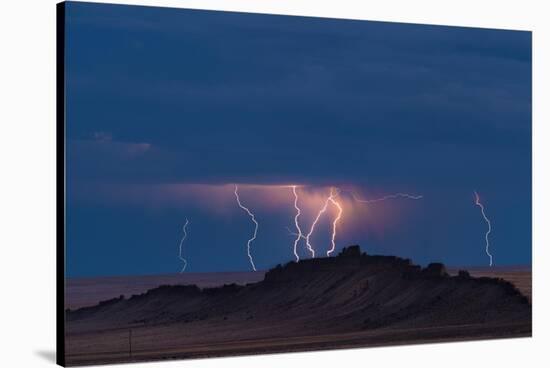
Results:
x,y
300,235
330,199
181,245
386,197
478,203
319,214
255,226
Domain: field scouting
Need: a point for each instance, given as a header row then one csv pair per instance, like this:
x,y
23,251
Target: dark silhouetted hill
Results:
x,y
350,292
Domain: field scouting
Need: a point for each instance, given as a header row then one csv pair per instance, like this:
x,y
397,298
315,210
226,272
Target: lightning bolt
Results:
x,y
386,197
314,223
336,220
255,228
299,235
330,199
478,203
181,245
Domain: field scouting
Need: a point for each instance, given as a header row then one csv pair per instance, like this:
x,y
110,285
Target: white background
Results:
x,y
27,181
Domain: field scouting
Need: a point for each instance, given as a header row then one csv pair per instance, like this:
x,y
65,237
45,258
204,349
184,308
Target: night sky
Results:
x,y
168,108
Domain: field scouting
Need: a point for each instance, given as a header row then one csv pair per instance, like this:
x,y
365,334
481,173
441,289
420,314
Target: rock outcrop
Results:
x,y
349,292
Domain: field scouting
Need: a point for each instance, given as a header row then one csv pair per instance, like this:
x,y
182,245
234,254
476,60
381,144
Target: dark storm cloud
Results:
x,y
214,97
212,91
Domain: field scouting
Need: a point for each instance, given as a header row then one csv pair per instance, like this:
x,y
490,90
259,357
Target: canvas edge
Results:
x,y
60,183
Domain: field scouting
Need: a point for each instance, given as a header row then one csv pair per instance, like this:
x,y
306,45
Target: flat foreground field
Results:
x,y
161,343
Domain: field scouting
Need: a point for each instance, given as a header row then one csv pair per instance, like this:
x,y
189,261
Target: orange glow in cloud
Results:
x,y
307,205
